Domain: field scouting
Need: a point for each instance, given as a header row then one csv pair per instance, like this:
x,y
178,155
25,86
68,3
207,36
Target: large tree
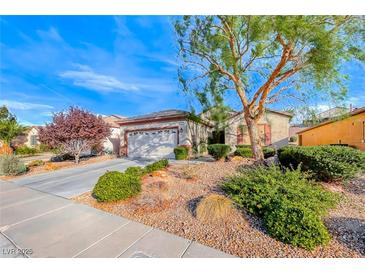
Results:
x,y
74,131
265,58
9,126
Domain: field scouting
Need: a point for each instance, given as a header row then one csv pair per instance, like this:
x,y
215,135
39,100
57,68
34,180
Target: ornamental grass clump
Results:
x,y
291,205
213,208
11,165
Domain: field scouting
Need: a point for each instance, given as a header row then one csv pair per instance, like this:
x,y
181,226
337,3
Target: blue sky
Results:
x,y
109,65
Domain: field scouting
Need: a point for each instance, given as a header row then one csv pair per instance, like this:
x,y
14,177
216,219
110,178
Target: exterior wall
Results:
x,y
112,143
278,129
32,132
347,131
197,134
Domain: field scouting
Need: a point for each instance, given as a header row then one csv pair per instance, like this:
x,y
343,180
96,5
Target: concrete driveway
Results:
x,y
71,182
37,224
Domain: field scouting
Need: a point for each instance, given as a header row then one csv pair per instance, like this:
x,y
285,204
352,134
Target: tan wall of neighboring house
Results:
x,y
271,124
347,131
29,139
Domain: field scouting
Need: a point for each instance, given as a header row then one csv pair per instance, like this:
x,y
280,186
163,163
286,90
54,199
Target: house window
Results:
x,y
33,140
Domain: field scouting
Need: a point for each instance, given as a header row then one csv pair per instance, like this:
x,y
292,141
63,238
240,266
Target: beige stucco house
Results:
x,y
29,138
155,135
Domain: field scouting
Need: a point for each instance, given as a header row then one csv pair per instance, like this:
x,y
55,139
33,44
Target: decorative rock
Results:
x,y
159,173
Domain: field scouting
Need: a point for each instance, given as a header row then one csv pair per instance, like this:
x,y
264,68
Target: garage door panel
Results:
x,y
152,144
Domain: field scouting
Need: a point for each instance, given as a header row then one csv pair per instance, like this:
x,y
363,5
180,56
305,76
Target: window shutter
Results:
x,y
267,134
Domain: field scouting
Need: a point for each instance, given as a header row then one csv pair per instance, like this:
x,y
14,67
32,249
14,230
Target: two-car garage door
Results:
x,y
158,143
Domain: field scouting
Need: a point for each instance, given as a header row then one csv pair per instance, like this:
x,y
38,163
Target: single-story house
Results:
x,y
29,138
155,135
350,130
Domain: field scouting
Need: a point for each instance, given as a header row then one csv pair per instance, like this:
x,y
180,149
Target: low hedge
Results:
x,y
290,204
219,151
246,151
25,150
157,165
326,163
11,165
136,171
115,186
181,153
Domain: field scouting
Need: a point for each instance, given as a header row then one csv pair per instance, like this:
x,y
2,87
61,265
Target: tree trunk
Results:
x,y
253,132
77,158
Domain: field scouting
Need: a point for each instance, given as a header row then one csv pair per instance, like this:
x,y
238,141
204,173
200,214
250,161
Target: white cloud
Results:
x,y
85,77
23,105
50,34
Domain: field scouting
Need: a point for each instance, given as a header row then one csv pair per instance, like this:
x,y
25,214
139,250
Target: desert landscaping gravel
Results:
x,y
168,200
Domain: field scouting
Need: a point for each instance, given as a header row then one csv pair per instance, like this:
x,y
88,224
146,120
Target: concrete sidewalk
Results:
x,y
44,225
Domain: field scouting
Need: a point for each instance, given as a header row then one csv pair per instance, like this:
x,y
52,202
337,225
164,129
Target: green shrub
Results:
x,y
290,204
218,151
293,139
136,171
157,165
25,150
11,165
36,163
245,152
203,148
181,153
268,152
296,225
327,163
115,186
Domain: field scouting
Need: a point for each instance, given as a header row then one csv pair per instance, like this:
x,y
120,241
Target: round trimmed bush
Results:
x,y
219,151
181,153
115,186
296,224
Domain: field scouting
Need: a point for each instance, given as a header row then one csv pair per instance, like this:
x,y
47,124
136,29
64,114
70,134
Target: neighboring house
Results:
x,y
347,131
273,129
29,138
155,135
332,113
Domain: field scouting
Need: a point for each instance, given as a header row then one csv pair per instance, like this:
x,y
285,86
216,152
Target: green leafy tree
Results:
x,y
266,58
9,126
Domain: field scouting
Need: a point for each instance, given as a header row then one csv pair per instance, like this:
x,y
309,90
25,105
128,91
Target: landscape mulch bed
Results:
x,y
168,202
